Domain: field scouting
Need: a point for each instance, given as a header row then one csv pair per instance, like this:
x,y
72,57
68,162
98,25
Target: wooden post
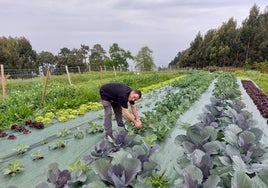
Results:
x,y
45,86
100,75
3,81
68,75
114,71
79,69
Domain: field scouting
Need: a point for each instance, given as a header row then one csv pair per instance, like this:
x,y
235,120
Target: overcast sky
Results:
x,y
165,26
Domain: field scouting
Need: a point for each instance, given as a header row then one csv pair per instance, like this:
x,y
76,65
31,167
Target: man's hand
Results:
x,y
138,123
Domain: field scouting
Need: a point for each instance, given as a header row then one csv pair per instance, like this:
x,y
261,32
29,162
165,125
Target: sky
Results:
x,y
165,26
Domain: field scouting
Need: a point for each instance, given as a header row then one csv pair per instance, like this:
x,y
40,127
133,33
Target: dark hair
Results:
x,y
137,92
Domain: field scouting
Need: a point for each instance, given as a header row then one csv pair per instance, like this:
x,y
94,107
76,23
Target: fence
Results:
x,y
51,70
41,71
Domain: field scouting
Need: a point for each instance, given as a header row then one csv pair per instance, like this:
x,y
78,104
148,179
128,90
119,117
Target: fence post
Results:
x,y
3,81
68,75
114,71
45,86
100,75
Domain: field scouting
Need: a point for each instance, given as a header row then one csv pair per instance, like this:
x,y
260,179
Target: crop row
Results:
x,y
223,149
126,160
259,98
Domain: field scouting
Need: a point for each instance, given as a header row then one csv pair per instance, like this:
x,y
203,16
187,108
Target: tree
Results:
x,y
118,57
97,57
26,55
84,49
144,60
207,47
45,59
17,53
260,41
195,54
63,57
248,32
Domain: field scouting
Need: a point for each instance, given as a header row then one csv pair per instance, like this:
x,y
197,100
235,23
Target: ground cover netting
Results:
x,y
167,156
76,149
226,147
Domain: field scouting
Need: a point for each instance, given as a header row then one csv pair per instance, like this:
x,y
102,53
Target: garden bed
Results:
x,y
36,171
75,149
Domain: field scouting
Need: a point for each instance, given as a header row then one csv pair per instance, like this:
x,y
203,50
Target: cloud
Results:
x,y
165,26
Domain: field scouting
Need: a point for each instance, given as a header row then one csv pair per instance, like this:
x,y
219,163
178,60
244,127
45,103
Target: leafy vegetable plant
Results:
x,y
64,132
78,134
93,128
59,144
21,148
13,168
37,155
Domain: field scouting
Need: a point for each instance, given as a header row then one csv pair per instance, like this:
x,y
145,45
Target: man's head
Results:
x,y
134,95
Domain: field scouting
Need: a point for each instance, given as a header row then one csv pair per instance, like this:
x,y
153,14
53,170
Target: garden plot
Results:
x,y
36,171
171,151
261,122
76,149
226,147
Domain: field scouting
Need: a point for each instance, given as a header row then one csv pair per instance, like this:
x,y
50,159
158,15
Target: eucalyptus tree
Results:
x,y
228,42
17,53
63,56
84,50
174,63
97,57
74,59
8,52
26,55
184,60
260,41
44,60
248,33
207,46
195,53
144,59
119,57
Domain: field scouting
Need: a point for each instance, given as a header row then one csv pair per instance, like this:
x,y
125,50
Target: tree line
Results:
x,y
229,45
17,53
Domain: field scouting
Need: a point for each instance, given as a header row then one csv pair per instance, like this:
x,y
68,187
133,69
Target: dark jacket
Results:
x,y
116,92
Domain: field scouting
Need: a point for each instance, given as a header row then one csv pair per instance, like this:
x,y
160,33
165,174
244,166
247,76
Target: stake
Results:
x,y
66,68
45,86
3,81
100,75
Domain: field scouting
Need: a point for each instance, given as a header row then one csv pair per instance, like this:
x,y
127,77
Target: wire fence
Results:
x,y
41,71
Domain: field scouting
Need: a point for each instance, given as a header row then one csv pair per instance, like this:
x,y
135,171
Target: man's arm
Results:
x,y
127,114
135,112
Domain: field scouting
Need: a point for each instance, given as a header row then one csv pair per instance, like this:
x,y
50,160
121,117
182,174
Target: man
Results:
x,y
117,96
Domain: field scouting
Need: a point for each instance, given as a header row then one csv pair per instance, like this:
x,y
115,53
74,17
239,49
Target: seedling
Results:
x,y
78,133
158,180
64,132
21,148
37,155
58,144
93,128
13,168
80,165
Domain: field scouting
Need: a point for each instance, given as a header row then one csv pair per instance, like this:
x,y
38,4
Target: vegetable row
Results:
x,y
223,149
259,98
